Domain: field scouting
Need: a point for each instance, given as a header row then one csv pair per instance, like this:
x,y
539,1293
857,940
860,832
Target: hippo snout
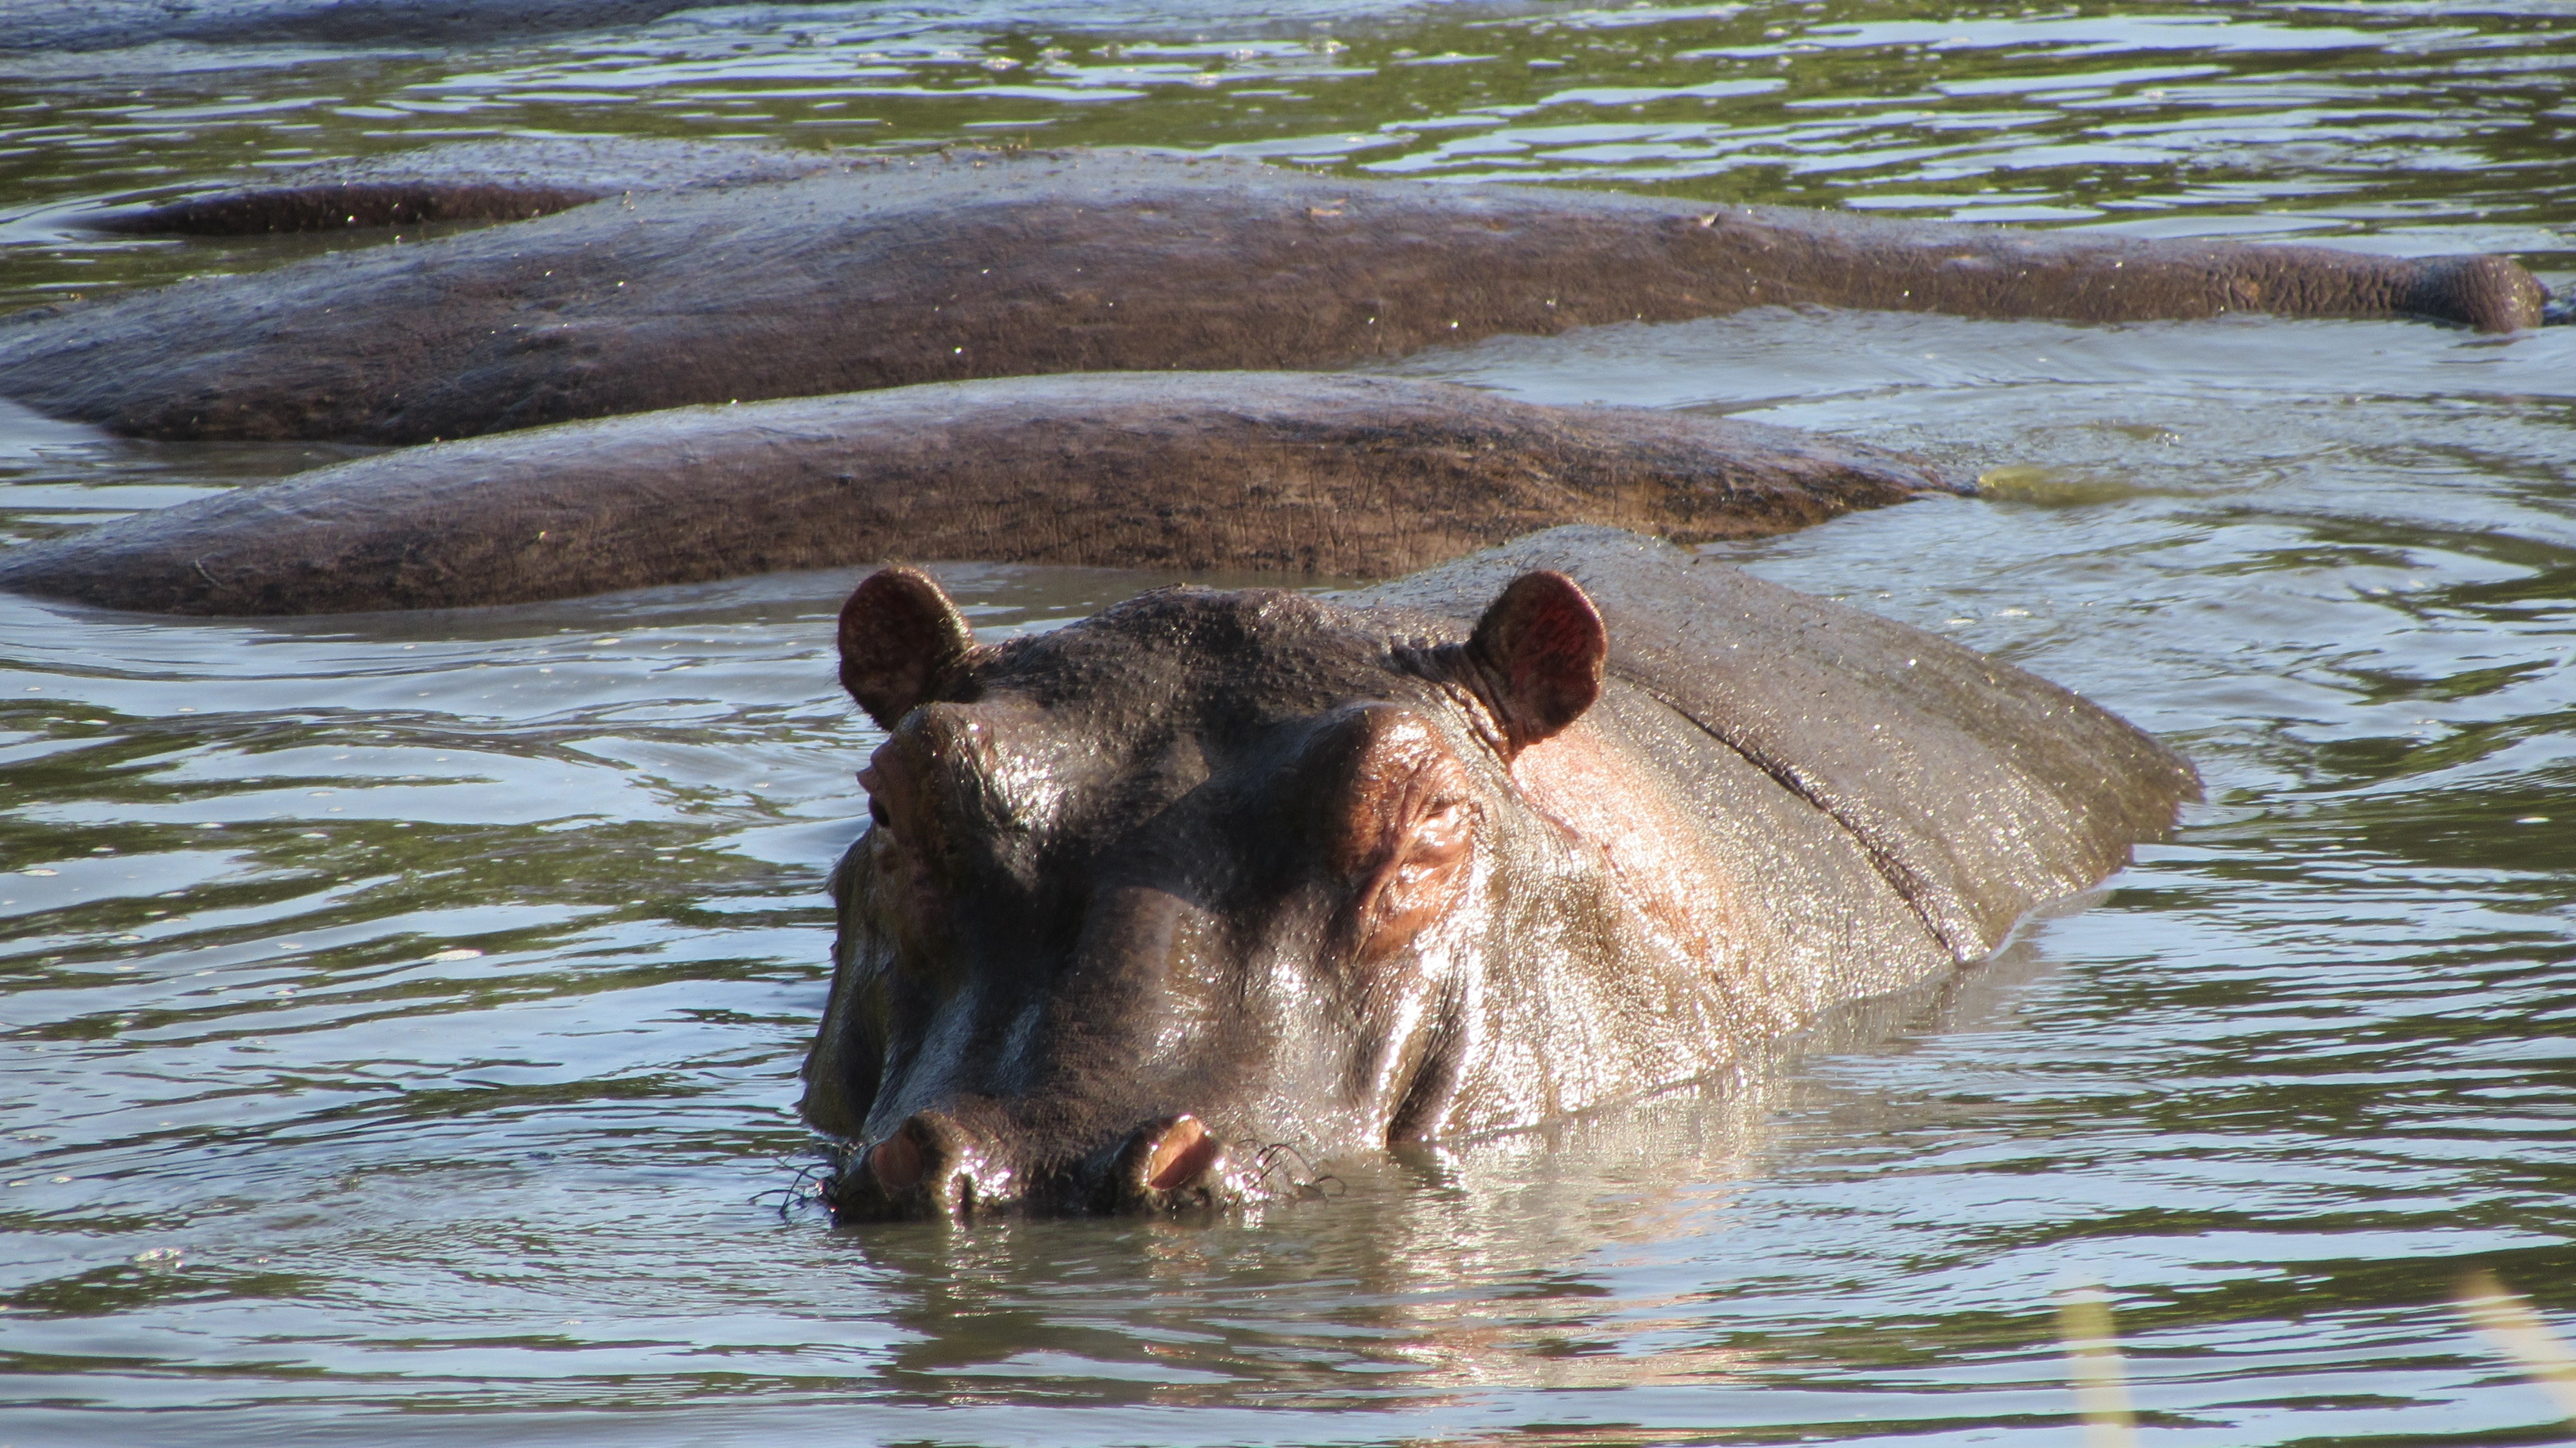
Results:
x,y
936,1166
930,1166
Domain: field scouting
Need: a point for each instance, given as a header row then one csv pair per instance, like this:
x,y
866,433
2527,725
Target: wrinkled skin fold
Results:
x,y
1163,908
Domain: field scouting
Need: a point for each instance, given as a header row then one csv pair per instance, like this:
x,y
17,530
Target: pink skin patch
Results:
x,y
1185,1151
896,1162
1654,850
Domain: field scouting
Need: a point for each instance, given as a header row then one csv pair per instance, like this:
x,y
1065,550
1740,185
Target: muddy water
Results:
x,y
401,1013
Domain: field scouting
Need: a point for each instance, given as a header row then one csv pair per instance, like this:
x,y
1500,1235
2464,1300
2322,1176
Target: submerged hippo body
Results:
x,y
1355,477
938,269
508,179
1169,904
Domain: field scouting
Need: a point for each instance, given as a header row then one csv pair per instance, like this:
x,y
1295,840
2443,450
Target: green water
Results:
x,y
401,1012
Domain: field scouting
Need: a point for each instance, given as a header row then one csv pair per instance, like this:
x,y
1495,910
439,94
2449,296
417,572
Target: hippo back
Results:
x,y
1974,791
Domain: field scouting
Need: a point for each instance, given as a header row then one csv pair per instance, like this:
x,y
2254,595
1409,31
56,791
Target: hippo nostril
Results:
x,y
1181,1153
897,1162
929,1166
1184,1151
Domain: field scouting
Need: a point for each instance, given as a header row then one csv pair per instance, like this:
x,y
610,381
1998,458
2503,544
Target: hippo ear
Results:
x,y
1541,646
899,633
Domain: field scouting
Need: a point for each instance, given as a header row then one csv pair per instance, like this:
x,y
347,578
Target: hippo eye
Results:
x,y
1397,821
1437,842
1417,880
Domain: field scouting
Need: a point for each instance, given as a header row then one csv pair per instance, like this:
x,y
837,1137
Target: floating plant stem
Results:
x,y
2093,1361
2513,1329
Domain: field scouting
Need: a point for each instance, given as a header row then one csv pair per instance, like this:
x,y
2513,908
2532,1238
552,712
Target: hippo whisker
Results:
x,y
810,1184
1306,1185
1314,1190
1266,1160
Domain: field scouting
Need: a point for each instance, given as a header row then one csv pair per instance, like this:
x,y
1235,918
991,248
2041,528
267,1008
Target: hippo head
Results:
x,y
1157,909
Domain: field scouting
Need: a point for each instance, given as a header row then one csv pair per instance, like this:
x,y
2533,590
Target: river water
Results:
x,y
402,1013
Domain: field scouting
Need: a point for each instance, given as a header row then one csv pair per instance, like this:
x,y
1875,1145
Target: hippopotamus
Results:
x,y
1175,905
507,179
1343,476
969,265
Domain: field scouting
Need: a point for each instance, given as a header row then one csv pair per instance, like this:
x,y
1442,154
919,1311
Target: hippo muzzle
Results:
x,y
934,1166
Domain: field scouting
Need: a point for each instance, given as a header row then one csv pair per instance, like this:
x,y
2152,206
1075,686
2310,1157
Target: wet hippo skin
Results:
x,y
509,179
1169,906
946,268
1361,477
